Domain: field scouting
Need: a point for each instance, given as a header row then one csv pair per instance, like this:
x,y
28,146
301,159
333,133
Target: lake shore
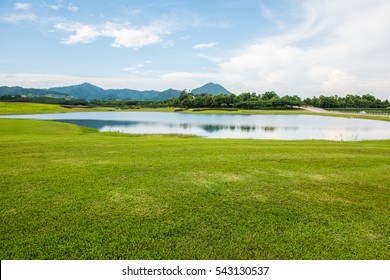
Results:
x,y
225,126
11,108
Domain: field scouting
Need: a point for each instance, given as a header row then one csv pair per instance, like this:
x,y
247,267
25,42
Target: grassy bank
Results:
x,y
16,108
12,108
358,110
354,116
72,193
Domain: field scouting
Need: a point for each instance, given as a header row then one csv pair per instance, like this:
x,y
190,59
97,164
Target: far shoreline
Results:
x,y
22,108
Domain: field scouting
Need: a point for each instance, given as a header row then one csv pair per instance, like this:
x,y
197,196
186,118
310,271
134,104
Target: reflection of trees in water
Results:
x,y
269,128
185,125
214,128
247,128
98,124
210,128
243,128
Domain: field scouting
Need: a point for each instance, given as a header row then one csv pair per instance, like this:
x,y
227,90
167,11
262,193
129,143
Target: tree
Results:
x,y
269,95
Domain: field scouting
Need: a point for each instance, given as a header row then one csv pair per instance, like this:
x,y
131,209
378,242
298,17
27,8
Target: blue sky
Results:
x,y
307,47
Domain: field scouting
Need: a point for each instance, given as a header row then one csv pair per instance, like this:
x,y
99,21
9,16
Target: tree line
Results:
x,y
349,101
244,100
271,100
267,100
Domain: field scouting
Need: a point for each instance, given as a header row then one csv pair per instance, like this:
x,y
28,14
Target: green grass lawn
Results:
x,y
17,108
72,193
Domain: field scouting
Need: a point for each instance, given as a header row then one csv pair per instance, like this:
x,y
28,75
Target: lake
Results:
x,y
283,127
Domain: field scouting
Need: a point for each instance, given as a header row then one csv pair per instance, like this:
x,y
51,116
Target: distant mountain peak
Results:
x,y
89,92
88,85
85,84
211,88
84,90
212,84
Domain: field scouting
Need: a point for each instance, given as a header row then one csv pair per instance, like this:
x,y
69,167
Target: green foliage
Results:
x,y
126,104
244,100
72,193
349,101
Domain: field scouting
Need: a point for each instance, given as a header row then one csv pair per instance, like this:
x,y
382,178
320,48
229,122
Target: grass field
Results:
x,y
72,193
14,108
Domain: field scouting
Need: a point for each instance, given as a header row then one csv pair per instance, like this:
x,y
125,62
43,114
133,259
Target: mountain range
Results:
x,y
89,92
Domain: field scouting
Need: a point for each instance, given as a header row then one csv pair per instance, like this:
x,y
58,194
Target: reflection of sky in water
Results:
x,y
205,130
228,126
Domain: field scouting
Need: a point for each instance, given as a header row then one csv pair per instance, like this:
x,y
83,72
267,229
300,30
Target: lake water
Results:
x,y
284,127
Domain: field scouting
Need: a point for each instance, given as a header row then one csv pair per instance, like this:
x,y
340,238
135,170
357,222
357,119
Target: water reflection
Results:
x,y
269,128
100,124
285,127
126,126
185,125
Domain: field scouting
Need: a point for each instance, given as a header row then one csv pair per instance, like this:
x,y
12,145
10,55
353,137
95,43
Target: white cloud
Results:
x,y
63,5
272,16
15,18
21,6
82,33
140,69
56,7
124,36
73,8
128,37
205,46
339,48
135,68
131,69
